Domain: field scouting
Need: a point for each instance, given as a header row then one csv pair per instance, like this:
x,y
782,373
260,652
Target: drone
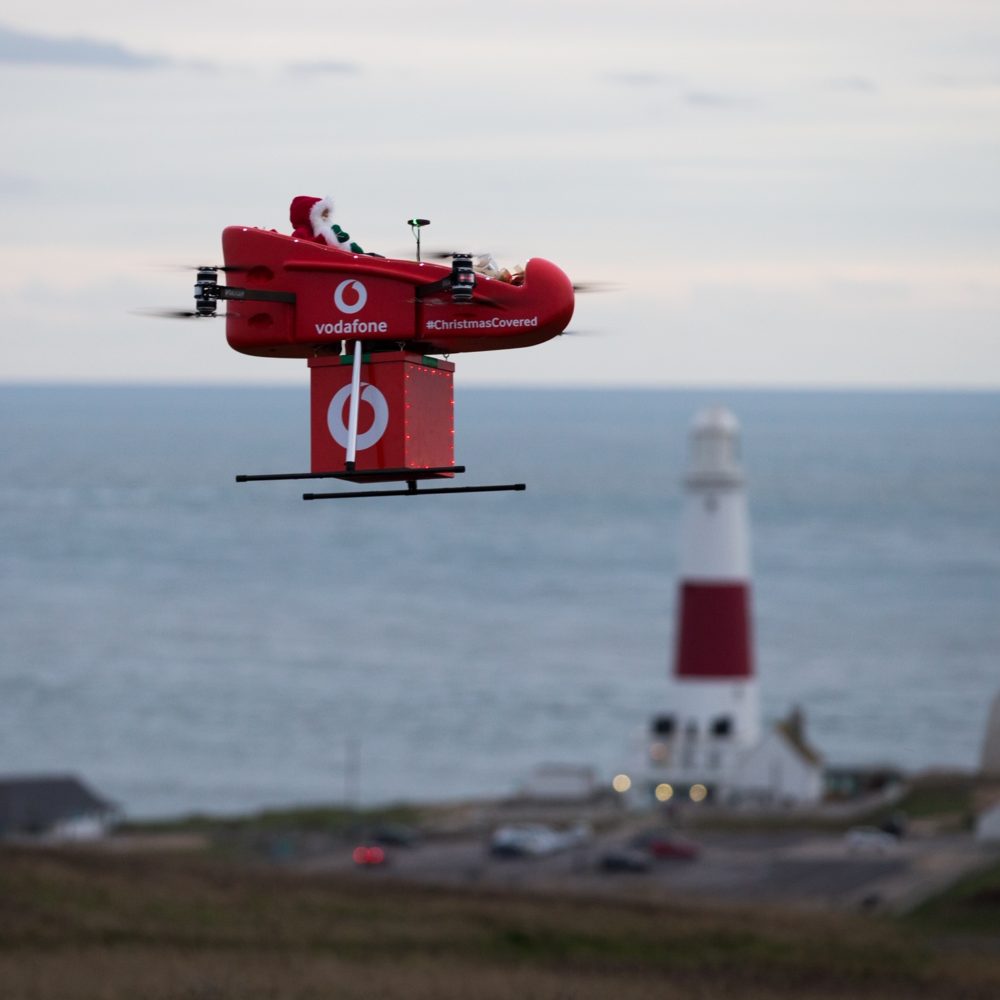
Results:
x,y
376,333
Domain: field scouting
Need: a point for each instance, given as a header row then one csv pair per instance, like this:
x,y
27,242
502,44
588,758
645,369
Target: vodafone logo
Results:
x,y
335,415
350,296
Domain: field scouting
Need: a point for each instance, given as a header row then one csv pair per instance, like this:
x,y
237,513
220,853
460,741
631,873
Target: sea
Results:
x,y
188,644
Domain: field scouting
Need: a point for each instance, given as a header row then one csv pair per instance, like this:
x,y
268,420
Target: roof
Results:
x,y
34,804
793,731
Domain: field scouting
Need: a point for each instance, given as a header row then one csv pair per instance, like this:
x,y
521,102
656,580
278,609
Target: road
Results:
x,y
816,871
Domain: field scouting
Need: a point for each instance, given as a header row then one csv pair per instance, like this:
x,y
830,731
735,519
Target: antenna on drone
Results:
x,y
415,226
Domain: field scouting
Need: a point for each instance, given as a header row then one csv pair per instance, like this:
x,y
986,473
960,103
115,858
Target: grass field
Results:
x,y
98,926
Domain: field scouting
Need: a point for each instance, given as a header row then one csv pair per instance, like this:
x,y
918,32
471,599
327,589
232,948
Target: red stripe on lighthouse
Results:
x,y
713,635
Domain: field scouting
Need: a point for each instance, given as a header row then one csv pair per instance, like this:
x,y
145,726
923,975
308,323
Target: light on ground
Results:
x,y
664,792
698,793
621,783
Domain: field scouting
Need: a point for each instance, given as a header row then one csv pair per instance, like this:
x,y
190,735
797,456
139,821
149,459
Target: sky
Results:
x,y
777,193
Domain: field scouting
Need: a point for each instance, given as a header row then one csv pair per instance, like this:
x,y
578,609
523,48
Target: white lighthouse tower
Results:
x,y
713,716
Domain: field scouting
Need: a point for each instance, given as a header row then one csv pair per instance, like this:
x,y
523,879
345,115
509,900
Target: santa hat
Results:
x,y
306,212
298,212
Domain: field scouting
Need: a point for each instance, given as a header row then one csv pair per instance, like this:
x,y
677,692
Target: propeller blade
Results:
x,y
176,314
226,268
594,286
448,254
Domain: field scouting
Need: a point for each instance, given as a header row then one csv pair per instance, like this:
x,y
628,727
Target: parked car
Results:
x,y
523,840
895,824
369,856
535,840
625,859
870,840
395,835
665,845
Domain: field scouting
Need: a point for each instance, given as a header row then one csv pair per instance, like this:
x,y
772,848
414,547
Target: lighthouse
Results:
x,y
712,716
707,743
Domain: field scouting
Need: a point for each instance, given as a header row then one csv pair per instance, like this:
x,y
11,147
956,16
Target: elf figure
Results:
x,y
312,219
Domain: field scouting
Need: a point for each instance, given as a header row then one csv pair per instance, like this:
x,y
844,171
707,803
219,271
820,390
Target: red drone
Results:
x,y
369,327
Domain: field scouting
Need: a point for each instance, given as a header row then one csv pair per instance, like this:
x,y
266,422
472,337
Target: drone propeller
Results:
x,y
448,254
177,314
445,254
227,268
580,287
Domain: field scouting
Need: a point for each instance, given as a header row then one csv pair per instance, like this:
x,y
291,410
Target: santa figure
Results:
x,y
312,219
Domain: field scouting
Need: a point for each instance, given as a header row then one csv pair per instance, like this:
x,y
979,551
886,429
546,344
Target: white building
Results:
x,y
781,770
988,824
989,762
709,738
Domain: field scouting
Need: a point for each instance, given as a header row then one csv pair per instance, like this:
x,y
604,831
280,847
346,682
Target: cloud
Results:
x,y
870,290
44,50
953,81
641,78
647,80
715,100
14,185
323,68
852,84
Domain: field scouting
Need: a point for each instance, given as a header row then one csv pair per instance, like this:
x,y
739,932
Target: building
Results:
x,y
53,807
989,761
988,825
781,770
709,741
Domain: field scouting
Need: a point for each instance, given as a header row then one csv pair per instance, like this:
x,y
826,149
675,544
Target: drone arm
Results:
x,y
231,293
208,292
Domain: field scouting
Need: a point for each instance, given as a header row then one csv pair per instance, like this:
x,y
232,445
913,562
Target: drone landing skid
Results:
x,y
411,477
412,491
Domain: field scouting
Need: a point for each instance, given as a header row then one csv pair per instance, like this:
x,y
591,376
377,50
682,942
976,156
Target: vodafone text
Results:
x,y
353,326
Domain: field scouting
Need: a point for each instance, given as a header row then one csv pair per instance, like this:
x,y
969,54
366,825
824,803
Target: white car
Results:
x,y
870,840
535,840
